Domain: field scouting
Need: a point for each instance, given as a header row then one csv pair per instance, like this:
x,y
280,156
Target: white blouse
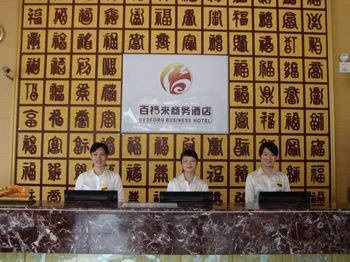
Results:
x,y
108,180
179,183
258,181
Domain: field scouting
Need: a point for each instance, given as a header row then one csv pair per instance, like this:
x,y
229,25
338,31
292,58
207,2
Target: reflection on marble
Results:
x,y
49,257
221,230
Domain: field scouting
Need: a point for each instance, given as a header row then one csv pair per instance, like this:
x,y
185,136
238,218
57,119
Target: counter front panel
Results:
x,y
148,229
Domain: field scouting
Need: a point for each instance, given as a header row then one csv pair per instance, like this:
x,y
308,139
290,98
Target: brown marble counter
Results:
x,y
157,229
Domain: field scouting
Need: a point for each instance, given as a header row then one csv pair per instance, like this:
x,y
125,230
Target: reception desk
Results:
x,y
136,228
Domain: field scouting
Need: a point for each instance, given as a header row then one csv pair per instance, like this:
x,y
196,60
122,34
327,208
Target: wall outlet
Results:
x,y
344,67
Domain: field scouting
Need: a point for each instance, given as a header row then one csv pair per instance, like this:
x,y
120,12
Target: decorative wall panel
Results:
x,y
70,92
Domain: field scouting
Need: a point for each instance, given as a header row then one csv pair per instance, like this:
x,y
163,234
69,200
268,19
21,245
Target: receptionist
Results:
x,y
266,177
100,178
188,181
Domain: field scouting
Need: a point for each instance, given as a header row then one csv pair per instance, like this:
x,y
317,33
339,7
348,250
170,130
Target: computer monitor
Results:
x,y
285,199
90,195
187,197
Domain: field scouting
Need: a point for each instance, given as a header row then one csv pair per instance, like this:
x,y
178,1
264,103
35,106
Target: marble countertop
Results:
x,y
153,228
107,206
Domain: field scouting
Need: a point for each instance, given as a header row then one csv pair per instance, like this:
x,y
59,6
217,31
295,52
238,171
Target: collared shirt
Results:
x,y
179,183
258,181
108,180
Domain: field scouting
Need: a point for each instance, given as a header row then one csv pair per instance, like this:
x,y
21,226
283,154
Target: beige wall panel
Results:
x,y
341,43
9,13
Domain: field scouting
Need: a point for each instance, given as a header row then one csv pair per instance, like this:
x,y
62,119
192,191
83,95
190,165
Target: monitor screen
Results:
x,y
90,195
284,197
186,197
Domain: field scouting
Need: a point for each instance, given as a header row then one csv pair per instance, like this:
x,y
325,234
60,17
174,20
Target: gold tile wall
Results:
x,y
70,91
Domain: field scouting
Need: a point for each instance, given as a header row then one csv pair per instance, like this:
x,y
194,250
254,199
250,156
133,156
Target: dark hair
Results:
x,y
189,152
270,146
98,145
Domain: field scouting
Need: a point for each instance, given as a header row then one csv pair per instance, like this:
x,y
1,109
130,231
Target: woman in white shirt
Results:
x,y
188,181
100,178
265,178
